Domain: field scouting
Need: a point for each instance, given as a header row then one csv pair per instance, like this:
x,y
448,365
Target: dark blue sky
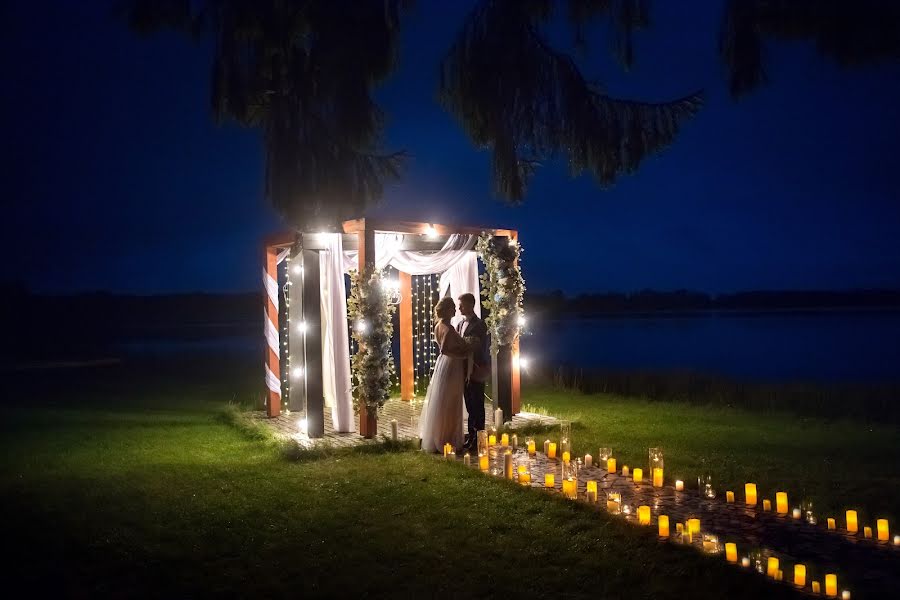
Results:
x,y
116,178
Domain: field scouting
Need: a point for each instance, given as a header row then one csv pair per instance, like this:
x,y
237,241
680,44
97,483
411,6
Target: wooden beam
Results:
x,y
368,423
415,227
407,372
273,400
312,314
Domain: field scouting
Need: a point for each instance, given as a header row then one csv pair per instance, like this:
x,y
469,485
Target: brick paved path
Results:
x,y
869,569
405,412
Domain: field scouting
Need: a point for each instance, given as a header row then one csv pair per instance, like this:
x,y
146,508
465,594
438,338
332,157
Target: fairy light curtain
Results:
x,y
456,263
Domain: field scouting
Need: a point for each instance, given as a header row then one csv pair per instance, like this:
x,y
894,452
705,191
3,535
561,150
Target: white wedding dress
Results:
x,y
441,421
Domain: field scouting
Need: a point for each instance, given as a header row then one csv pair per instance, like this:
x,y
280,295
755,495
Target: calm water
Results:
x,y
832,347
835,347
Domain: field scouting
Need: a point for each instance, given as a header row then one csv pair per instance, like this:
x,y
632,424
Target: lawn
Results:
x,y
127,482
839,464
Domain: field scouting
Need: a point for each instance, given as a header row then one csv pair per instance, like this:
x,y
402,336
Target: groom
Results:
x,y
478,367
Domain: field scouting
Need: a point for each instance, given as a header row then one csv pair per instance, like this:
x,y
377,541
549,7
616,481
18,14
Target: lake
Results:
x,y
815,347
822,346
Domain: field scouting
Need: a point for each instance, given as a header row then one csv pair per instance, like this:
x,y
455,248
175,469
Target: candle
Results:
x,y
686,536
693,526
588,460
638,475
531,449
663,525
551,453
750,494
504,440
831,585
731,552
816,587
745,562
546,447
679,528
800,575
897,540
625,471
524,475
451,455
394,429
729,497
852,524
591,491
447,450
611,465
644,514
657,477
514,441
570,488
781,503
679,485
867,532
492,440
883,531
796,513
779,575
614,502
772,568
845,595
467,460
767,505
498,417
831,523
549,480
566,457
483,462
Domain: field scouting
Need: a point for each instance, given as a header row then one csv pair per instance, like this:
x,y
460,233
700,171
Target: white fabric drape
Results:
x,y
386,246
462,278
335,345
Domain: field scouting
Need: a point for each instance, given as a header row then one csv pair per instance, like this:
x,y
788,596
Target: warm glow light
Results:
x,y
852,523
297,269
301,327
362,326
521,362
430,231
522,321
301,425
644,515
731,552
800,575
831,585
297,372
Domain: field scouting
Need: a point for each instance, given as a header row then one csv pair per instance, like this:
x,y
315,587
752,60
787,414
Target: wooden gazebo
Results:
x,y
357,235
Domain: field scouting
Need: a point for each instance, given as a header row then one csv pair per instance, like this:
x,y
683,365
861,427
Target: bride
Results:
x,y
441,421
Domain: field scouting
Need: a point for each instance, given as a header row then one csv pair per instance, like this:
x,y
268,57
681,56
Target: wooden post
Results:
x,y
504,370
407,373
312,314
273,399
368,422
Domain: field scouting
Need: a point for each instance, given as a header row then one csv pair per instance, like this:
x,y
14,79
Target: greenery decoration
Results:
x,y
502,287
371,321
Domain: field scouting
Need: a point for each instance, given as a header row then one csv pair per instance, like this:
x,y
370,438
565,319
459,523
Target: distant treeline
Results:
x,y
649,301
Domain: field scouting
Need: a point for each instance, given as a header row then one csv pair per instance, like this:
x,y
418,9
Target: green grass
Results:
x,y
136,485
839,464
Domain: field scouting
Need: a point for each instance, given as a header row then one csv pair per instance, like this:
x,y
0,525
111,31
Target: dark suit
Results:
x,y
474,389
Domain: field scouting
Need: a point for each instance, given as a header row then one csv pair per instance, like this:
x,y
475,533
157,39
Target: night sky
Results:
x,y
116,178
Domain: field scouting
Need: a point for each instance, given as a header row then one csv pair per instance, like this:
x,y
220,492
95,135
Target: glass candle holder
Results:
x,y
565,436
614,503
705,485
482,438
710,543
807,508
657,465
604,454
523,473
569,480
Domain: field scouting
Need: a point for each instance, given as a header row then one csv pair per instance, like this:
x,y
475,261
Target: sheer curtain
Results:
x,y
456,262
335,343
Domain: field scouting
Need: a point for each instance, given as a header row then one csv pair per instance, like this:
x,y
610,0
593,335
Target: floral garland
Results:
x,y
371,317
502,287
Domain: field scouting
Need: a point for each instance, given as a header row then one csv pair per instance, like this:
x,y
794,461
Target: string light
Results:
x,y
430,231
297,372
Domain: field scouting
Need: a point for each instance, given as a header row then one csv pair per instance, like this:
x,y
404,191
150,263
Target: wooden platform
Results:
x,y
406,414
